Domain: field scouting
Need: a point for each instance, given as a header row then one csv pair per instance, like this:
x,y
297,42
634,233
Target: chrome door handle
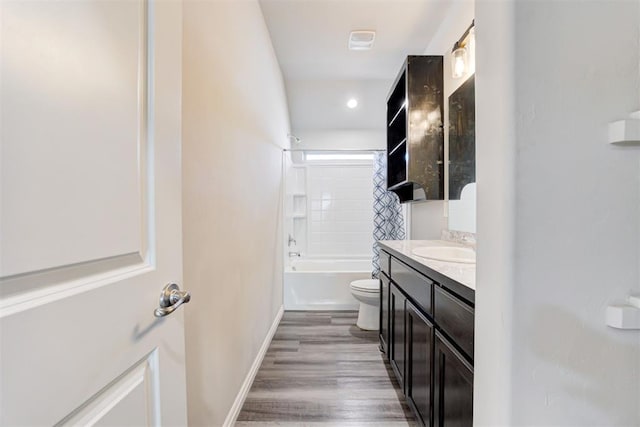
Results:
x,y
171,298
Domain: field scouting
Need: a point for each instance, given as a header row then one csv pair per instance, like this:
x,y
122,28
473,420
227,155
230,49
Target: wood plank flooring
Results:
x,y
322,370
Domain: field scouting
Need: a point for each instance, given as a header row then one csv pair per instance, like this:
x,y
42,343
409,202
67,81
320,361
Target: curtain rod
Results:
x,y
339,150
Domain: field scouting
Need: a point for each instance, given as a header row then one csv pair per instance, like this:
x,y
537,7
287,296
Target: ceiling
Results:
x,y
310,40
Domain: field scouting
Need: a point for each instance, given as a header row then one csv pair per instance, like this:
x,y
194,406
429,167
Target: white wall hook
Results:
x,y
625,131
625,316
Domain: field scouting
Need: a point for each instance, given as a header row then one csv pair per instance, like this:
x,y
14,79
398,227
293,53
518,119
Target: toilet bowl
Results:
x,y
367,292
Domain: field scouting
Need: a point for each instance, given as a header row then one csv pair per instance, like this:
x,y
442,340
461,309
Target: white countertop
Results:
x,y
462,273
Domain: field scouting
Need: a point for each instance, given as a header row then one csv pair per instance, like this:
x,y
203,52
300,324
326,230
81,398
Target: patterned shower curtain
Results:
x,y
388,223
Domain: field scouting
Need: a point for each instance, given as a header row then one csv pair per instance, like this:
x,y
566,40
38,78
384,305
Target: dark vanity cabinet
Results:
x,y
419,377
453,399
397,333
415,135
426,332
385,288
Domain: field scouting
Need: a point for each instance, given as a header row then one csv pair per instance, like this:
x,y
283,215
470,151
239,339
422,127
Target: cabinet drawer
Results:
x,y
414,284
455,318
384,262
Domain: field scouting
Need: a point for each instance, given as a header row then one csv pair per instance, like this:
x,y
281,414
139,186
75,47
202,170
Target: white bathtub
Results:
x,y
323,284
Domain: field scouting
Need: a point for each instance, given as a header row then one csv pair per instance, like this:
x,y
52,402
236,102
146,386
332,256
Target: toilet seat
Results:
x,y
366,285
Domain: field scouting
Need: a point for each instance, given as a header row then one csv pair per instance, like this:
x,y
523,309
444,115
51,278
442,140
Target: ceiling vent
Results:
x,y
361,40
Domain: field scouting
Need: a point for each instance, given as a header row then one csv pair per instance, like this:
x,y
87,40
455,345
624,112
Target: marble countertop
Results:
x,y
461,273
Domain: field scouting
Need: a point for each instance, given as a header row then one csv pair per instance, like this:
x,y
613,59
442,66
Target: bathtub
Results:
x,y
323,284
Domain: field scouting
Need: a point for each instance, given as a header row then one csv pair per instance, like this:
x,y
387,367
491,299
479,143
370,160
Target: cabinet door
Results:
x,y
453,400
397,336
384,314
419,377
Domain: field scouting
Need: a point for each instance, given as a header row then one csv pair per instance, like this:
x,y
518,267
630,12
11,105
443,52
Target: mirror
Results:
x,y
462,157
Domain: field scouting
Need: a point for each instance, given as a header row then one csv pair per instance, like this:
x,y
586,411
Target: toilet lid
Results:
x,y
366,285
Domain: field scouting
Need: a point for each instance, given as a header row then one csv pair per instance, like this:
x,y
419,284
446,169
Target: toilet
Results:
x,y
367,292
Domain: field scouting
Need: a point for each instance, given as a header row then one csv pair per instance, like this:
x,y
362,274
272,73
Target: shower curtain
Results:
x,y
388,223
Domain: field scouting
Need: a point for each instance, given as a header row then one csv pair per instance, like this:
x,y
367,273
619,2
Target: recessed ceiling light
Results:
x,y
352,103
361,40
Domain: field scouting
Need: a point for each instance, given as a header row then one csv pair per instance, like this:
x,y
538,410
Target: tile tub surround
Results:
x,y
322,370
340,222
464,274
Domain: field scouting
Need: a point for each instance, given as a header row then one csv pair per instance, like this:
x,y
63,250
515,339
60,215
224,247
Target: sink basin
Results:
x,y
447,253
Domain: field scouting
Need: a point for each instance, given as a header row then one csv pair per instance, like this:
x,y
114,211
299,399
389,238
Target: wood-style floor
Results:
x,y
322,370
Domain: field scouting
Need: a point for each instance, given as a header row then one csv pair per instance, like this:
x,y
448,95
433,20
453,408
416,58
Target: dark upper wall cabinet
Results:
x,y
415,137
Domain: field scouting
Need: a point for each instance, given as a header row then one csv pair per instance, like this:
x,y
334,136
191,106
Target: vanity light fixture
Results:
x,y
458,61
463,54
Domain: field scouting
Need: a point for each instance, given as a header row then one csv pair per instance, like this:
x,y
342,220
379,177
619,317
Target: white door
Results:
x,y
90,202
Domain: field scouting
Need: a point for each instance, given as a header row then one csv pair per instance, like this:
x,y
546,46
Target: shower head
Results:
x,y
294,138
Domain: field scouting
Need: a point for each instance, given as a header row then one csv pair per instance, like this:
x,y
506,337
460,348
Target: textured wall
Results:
x,y
235,123
559,213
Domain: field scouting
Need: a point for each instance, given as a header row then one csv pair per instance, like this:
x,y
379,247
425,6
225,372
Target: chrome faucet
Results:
x,y
292,254
291,240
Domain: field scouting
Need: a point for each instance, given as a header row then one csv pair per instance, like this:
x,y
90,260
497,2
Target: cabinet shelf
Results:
x,y
398,146
401,110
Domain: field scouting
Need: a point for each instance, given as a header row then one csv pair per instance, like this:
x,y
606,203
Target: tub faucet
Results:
x,y
292,254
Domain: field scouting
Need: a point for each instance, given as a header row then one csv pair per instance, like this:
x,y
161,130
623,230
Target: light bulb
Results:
x,y
458,62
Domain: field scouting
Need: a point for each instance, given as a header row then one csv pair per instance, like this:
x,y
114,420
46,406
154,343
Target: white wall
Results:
x,y
341,139
428,218
235,123
559,213
495,179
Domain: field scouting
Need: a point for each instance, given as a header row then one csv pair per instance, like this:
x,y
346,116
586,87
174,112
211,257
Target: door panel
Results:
x,y
129,400
90,213
419,363
72,124
453,399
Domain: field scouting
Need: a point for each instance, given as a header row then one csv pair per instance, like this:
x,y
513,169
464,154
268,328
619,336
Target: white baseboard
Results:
x,y
232,416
